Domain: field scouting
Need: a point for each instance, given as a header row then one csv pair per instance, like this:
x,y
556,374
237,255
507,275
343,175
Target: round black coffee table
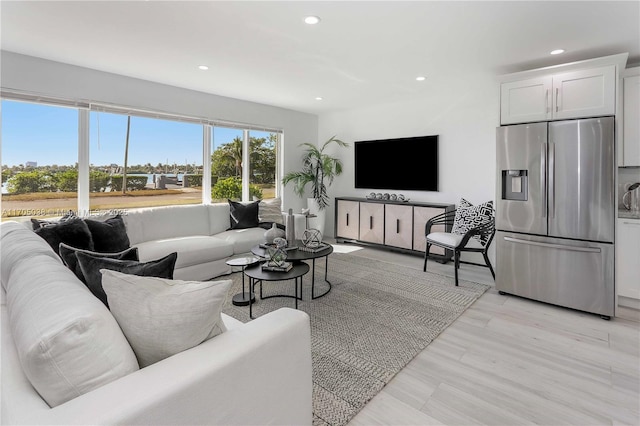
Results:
x,y
297,255
257,275
244,298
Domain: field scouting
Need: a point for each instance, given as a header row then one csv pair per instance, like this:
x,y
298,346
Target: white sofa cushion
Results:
x,y
162,317
159,223
67,341
192,250
242,239
452,240
219,220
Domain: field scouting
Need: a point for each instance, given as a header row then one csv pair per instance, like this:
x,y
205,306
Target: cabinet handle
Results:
x,y
631,223
397,226
347,219
557,99
546,102
370,222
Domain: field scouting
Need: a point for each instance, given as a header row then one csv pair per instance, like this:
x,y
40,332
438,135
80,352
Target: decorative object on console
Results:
x,y
385,196
393,197
371,196
273,232
162,317
379,196
311,238
91,267
401,198
243,216
68,255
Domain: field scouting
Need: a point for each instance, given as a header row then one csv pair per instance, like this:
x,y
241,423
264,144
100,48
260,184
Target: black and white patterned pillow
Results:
x,y
469,216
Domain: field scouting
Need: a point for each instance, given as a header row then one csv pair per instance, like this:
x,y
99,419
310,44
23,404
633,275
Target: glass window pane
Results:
x,y
39,160
262,156
226,164
163,162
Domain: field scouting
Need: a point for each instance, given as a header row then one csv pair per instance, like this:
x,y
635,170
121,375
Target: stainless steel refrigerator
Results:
x,y
555,213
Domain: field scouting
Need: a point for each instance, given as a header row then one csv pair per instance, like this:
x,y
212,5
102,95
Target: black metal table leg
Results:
x,y
313,277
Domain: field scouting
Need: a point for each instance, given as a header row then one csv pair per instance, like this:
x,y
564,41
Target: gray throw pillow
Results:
x,y
91,266
73,232
68,255
161,317
243,215
109,236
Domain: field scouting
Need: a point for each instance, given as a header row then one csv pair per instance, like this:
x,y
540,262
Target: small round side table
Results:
x,y
244,298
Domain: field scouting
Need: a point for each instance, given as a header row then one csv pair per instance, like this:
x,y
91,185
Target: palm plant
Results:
x,y
316,168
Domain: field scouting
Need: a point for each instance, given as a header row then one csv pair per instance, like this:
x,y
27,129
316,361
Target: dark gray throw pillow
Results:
x,y
39,223
243,215
91,265
68,255
73,232
109,236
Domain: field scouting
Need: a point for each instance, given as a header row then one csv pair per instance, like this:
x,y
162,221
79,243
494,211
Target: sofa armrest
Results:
x,y
259,373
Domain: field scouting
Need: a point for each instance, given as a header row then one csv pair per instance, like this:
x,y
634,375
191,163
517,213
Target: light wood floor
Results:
x,y
512,361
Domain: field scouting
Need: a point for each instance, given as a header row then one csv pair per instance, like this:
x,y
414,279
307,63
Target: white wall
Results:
x,y
40,76
462,110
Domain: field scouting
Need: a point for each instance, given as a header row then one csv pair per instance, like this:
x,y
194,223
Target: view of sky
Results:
x,y
49,135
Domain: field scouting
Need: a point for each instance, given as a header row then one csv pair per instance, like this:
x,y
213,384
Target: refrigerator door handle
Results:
x,y
543,177
556,246
552,180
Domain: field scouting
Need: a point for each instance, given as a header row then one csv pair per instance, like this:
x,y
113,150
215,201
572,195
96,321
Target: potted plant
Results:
x,y
318,169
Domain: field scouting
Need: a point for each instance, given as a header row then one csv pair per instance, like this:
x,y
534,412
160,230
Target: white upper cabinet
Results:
x,y
542,95
631,126
586,93
526,101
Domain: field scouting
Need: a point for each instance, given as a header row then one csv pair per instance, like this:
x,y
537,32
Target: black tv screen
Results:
x,y
409,164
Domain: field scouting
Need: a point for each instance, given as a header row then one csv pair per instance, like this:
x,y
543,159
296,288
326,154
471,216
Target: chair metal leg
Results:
x,y
456,256
486,259
426,255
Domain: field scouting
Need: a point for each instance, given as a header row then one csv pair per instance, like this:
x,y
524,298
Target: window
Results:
x,y
163,162
39,159
60,155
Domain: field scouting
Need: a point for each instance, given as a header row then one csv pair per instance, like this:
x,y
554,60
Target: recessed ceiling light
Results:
x,y
421,78
318,98
557,51
203,67
311,20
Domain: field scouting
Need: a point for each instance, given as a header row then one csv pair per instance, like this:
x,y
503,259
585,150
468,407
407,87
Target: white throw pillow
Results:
x,y
270,211
161,317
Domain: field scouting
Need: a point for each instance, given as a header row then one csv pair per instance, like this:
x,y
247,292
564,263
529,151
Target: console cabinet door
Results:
x,y
348,219
372,222
525,101
420,217
584,93
398,228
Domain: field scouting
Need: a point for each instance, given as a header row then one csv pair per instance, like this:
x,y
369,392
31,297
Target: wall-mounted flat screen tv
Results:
x,y
409,164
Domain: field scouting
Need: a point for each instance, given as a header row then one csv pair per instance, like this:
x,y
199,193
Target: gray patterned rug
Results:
x,y
376,319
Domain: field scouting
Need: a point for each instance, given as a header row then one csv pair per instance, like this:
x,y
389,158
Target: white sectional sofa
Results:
x,y
198,233
58,338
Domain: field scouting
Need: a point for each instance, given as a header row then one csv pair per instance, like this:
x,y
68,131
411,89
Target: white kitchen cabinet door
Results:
x,y
347,219
628,258
398,226
631,129
584,93
372,222
526,100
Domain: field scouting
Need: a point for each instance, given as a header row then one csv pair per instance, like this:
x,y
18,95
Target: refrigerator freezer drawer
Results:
x,y
569,273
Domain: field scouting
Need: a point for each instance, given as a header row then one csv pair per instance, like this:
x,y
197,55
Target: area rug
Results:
x,y
377,317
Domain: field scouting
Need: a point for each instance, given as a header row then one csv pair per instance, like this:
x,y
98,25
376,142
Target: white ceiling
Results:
x,y
361,53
